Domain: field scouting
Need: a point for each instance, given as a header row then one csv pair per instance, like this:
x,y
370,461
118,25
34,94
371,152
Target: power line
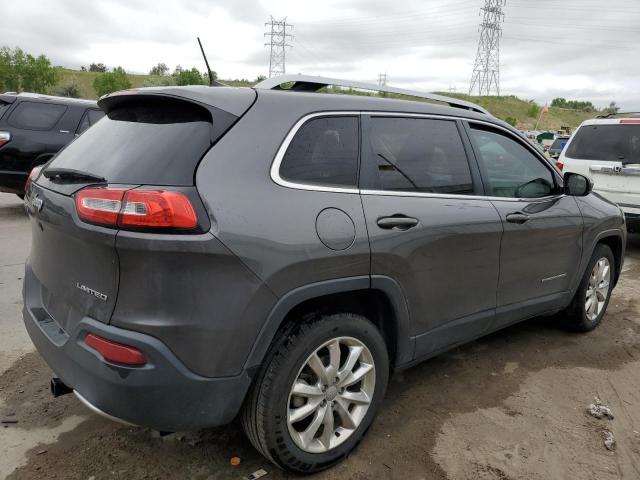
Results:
x,y
278,36
486,68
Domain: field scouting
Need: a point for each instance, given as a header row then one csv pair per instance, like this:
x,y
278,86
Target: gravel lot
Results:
x,y
509,406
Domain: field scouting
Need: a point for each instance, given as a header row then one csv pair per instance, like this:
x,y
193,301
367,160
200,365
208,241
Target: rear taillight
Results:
x,y
630,121
115,352
133,209
35,171
5,137
560,165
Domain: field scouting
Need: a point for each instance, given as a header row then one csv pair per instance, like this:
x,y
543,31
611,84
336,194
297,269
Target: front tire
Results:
x,y
318,392
592,297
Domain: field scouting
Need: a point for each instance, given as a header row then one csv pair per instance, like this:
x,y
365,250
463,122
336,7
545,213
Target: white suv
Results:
x,y
607,150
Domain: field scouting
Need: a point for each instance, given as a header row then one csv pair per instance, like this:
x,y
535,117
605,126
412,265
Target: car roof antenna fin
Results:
x,y
212,82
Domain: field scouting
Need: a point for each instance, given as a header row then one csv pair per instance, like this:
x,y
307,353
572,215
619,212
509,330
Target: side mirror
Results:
x,y
577,185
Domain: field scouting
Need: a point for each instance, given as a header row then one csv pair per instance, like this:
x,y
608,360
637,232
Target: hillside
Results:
x,y
510,106
502,107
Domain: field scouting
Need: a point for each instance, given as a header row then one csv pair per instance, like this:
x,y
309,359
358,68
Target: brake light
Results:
x,y
115,352
5,137
633,121
115,207
560,165
35,171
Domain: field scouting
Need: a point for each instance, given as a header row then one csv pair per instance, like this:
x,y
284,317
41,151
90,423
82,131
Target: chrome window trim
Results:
x,y
275,166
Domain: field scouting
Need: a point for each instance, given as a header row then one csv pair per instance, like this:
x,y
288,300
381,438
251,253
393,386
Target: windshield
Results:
x,y
606,142
142,144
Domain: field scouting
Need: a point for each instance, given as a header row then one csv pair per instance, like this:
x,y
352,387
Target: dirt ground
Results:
x,y
509,406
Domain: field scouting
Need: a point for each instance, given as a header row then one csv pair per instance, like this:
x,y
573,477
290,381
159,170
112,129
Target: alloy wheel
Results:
x,y
331,394
598,288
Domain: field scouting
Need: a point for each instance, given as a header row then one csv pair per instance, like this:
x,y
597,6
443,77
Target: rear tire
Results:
x,y
342,393
592,297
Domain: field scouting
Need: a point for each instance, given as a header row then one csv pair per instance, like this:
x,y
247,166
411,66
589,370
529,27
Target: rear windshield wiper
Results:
x,y
69,175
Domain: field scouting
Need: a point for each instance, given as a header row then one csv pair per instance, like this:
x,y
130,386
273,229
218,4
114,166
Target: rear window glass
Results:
x,y
36,116
559,143
147,143
89,118
323,152
606,142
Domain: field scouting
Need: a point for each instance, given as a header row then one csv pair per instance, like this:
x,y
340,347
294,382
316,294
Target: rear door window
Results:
x,y
89,118
417,155
324,151
151,142
615,143
4,106
36,116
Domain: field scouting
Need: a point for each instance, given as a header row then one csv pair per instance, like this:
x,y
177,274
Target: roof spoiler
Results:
x,y
618,114
310,83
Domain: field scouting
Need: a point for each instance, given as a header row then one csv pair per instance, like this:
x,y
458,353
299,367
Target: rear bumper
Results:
x,y
162,394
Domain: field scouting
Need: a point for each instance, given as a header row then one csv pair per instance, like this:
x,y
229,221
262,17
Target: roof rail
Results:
x,y
310,83
618,114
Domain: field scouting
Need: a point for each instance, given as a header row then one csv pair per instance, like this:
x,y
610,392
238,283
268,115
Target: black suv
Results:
x,y
33,128
205,251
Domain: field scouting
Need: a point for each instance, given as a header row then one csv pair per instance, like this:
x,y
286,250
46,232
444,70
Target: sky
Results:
x,y
576,49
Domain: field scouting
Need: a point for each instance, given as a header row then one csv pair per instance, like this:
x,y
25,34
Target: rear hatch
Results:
x,y
149,144
608,152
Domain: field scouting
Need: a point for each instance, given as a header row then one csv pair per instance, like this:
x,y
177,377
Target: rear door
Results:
x,y
542,241
429,227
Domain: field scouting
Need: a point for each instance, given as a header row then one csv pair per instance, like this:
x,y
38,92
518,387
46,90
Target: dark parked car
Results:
x,y
558,145
33,128
205,251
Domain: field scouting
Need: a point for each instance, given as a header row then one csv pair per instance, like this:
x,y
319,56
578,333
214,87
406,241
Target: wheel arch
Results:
x,y
614,239
379,298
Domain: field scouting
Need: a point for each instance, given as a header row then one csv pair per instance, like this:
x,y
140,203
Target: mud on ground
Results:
x,y
509,406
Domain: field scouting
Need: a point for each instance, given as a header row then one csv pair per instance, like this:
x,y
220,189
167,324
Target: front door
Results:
x,y
430,230
542,241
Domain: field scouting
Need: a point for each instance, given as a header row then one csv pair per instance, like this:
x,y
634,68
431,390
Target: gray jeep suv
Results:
x,y
204,252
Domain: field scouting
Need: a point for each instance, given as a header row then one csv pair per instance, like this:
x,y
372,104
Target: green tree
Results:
x,y
190,77
260,78
159,69
533,111
20,71
98,67
109,82
71,91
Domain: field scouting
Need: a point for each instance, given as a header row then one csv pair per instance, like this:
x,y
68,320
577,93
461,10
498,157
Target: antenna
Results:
x,y
212,82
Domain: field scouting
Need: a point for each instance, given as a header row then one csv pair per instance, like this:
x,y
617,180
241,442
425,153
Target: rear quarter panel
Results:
x,y
272,228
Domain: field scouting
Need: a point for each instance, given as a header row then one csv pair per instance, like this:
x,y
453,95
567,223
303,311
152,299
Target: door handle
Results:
x,y
517,217
397,222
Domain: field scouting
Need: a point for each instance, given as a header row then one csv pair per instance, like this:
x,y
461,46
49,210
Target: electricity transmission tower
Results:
x,y
382,79
278,37
486,69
